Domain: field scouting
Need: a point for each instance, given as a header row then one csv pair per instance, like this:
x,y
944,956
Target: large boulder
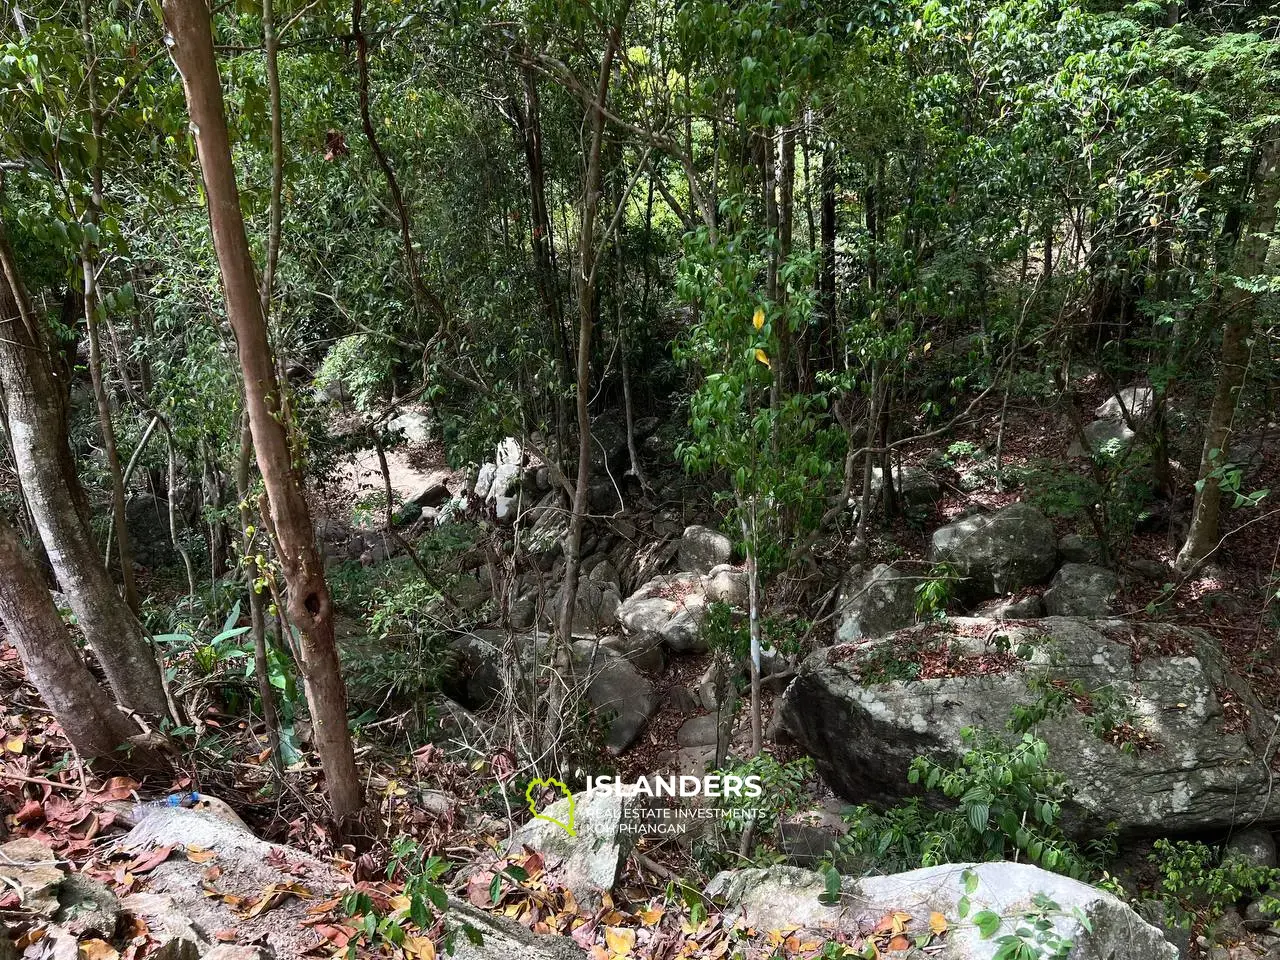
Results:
x,y
1098,925
702,548
997,553
1081,590
874,602
1144,741
669,609
917,489
620,694
597,599
589,861
1138,401
1107,438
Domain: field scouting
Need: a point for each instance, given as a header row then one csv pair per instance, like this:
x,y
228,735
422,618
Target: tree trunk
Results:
x,y
309,602
83,708
88,264
827,274
544,256
586,320
1238,305
37,424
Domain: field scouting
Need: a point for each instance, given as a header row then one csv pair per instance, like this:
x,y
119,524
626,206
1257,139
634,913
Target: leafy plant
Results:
x,y
1008,804
1197,880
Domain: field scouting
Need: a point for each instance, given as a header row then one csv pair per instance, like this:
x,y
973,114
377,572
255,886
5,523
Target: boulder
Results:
x,y
864,711
87,908
231,951
30,868
415,426
484,662
1254,846
1028,607
702,548
669,608
618,692
1100,926
1073,548
508,467
178,907
918,490
589,862
874,602
997,553
596,601
504,939
1139,401
1107,438
726,583
1081,590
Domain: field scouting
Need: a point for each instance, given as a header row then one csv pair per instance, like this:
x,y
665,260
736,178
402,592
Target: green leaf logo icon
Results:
x,y
530,795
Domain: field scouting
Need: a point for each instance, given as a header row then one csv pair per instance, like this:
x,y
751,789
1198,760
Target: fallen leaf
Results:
x,y
937,923
620,941
420,947
97,950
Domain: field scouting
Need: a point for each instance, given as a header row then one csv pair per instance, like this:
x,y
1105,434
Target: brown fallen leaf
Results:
x,y
97,950
148,860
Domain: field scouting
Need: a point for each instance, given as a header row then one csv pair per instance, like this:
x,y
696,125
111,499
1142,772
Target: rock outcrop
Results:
x,y
997,553
1098,925
1156,736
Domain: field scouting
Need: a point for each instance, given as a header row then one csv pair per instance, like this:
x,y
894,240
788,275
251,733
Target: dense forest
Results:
x,y
668,479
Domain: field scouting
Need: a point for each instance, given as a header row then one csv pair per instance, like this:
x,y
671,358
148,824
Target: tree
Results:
x,y
89,718
309,602
37,424
1238,307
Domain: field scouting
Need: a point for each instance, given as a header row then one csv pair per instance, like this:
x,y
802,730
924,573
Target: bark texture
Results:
x,y
37,421
84,709
1239,309
309,603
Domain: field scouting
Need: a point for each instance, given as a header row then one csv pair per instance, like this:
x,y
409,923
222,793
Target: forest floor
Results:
x,y
47,794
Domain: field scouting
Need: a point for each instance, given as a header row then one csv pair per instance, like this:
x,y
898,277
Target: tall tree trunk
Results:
x,y
83,708
88,265
310,605
586,321
786,231
544,251
827,274
37,422
1238,306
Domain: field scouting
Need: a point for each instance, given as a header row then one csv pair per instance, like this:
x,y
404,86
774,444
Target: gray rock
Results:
x,y
997,553
918,490
1258,916
864,733
726,584
1139,401
1081,590
485,662
702,548
699,731
508,466
87,908
617,691
231,951
30,868
670,608
590,862
416,426
874,602
484,480
1106,438
1073,548
789,897
1254,846
177,933
504,939
1030,607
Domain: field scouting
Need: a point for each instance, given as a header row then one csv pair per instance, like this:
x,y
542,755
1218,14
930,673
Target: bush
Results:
x,y
1008,806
